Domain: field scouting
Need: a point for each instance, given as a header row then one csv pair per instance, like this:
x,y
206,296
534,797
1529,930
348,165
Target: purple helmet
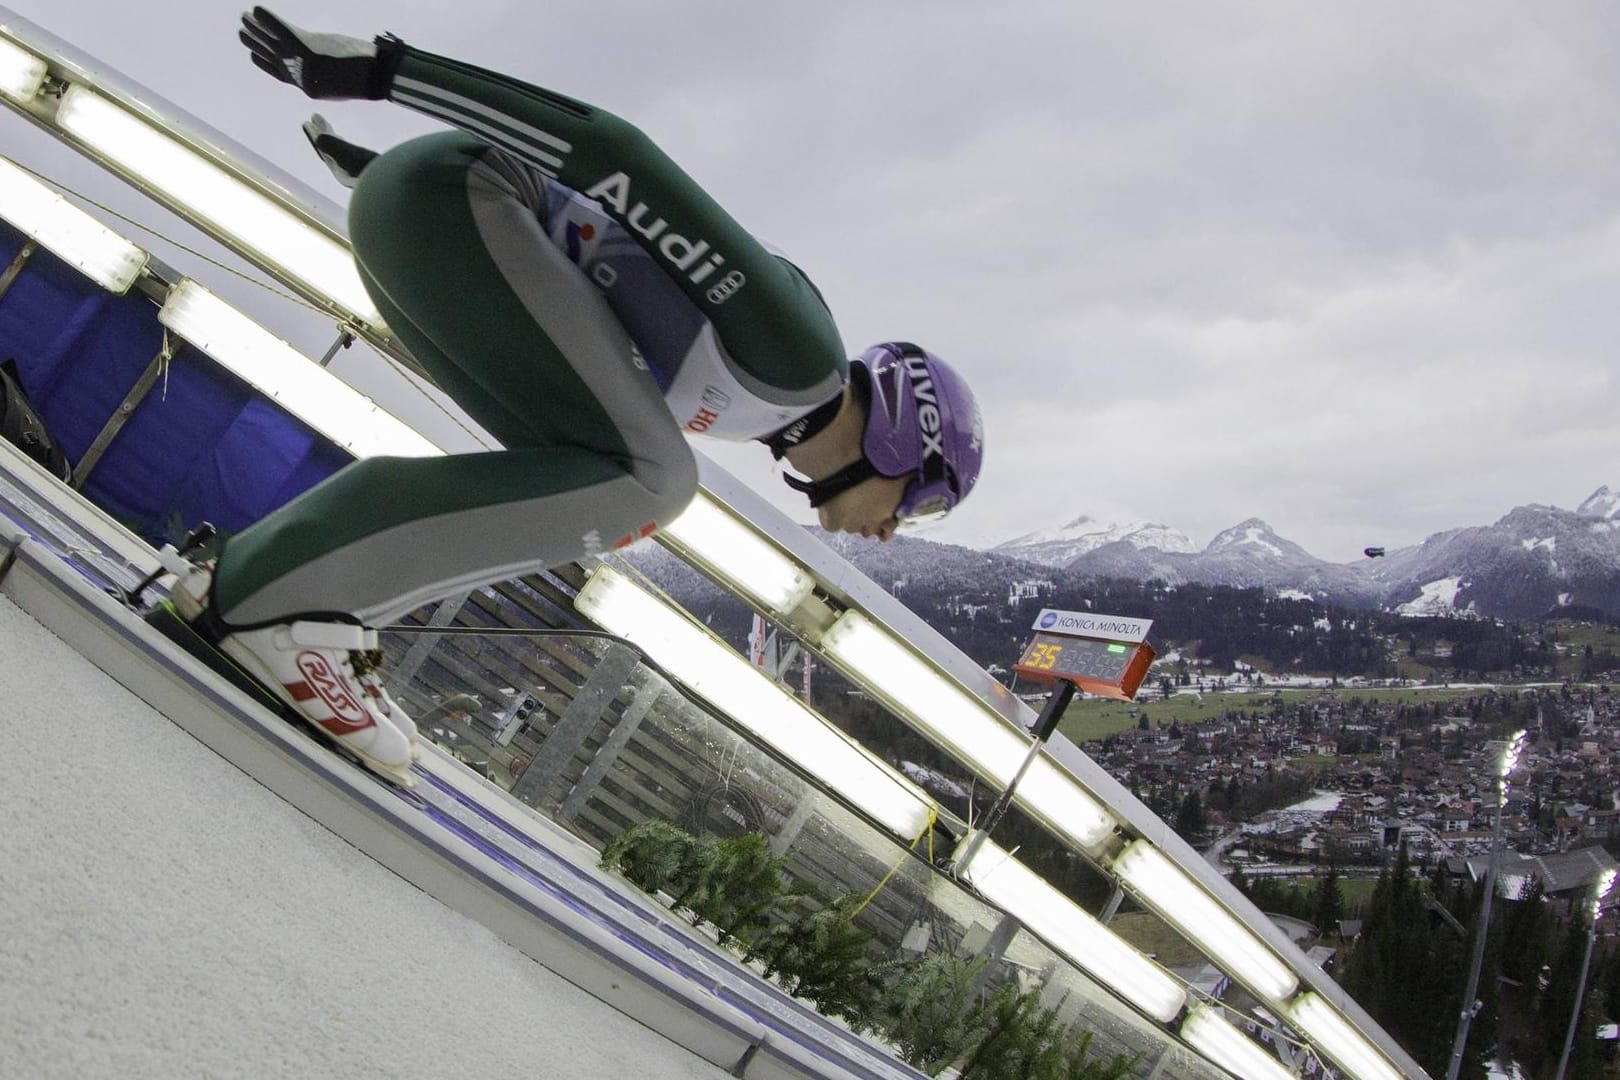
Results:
x,y
922,421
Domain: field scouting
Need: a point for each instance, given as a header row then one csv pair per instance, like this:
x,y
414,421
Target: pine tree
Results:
x,y
1329,907
1406,973
1190,818
1559,997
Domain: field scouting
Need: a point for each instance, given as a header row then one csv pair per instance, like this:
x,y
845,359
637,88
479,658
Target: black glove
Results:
x,y
327,66
346,159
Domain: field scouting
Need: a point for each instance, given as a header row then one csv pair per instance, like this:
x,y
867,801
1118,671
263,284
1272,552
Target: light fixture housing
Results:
x,y
228,205
1332,1034
273,367
72,235
1067,928
735,552
754,701
1208,1032
21,72
1182,902
956,720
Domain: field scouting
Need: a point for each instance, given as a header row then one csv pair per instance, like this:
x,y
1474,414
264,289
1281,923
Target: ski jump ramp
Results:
x,y
504,822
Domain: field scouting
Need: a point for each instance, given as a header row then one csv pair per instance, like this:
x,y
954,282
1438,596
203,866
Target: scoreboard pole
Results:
x,y
1052,712
1106,655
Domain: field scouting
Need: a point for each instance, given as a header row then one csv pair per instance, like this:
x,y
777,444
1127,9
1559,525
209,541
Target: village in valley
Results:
x,y
1345,777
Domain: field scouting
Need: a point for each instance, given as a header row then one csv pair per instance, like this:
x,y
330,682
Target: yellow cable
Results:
x,y
928,831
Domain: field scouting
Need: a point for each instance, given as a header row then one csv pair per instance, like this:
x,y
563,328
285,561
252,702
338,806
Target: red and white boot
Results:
x,y
327,671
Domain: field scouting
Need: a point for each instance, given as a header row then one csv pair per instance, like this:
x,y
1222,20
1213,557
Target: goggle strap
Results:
x,y
805,427
829,487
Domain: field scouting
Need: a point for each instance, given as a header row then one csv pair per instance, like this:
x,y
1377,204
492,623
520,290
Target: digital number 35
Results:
x,y
1044,657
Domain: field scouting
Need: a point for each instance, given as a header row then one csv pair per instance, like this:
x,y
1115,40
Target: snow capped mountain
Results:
x,y
1249,553
1602,503
1061,546
1256,540
1533,560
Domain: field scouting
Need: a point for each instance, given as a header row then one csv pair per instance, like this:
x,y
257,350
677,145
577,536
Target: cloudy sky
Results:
x,y
1352,269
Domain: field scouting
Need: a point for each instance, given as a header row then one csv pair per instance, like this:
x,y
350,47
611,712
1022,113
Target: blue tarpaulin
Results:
x,y
202,445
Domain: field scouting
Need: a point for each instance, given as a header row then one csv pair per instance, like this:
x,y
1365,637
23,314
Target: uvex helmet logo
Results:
x,y
348,715
929,425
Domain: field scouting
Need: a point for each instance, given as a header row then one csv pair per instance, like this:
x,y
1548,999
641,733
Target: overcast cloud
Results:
x,y
1350,269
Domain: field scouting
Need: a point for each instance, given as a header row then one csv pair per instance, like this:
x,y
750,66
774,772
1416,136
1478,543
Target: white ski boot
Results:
x,y
327,671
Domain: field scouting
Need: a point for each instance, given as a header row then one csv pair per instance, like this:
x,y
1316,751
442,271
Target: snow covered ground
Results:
x,y
166,916
1320,802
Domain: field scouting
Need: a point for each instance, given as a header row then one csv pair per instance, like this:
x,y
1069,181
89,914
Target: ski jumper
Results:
x,y
585,302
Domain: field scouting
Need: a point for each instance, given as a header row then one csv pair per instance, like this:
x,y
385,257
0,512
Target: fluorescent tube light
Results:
x,y
1066,927
226,203
71,234
21,72
740,555
959,721
1208,1033
275,368
1331,1033
1067,808
753,700
1203,920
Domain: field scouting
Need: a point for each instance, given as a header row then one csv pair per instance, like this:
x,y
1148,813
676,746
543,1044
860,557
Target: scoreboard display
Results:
x,y
1103,655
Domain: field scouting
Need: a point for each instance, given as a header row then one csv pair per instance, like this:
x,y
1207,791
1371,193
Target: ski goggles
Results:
x,y
923,504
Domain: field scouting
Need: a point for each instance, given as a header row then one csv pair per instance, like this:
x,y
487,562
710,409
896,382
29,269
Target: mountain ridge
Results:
x,y
1534,559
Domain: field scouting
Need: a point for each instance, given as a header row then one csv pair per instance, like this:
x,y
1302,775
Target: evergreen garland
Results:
x,y
928,1008
822,956
740,886
654,854
1026,1042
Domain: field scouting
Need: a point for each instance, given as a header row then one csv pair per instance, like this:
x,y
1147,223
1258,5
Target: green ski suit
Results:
x,y
584,301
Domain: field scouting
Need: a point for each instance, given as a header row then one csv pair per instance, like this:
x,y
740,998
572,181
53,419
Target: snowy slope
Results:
x,y
1602,503
167,916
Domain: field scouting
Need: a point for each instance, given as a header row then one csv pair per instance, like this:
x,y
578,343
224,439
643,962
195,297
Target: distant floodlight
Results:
x,y
1510,756
1601,893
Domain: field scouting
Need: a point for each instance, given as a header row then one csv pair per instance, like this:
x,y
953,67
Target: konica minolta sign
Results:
x,y
1089,624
